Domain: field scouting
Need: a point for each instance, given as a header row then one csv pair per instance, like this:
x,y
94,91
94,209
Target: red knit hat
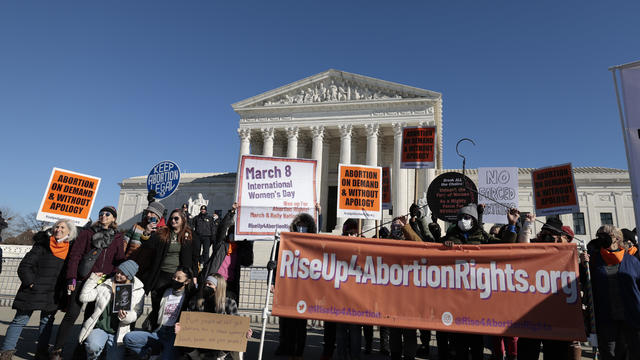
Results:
x,y
568,231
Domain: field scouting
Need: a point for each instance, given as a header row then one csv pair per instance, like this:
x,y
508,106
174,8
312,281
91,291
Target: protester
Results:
x,y
98,249
151,220
435,229
42,287
205,227
105,329
214,300
173,300
615,277
3,225
468,230
384,331
293,332
495,230
169,247
418,224
403,341
229,255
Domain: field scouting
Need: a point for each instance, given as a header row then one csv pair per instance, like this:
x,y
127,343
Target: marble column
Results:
x,y
345,158
245,141
292,142
267,145
373,130
316,154
399,176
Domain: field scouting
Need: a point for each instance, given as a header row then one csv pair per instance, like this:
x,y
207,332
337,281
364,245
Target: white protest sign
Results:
x,y
271,192
499,184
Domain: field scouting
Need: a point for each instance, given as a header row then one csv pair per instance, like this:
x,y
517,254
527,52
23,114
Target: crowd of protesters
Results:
x,y
192,263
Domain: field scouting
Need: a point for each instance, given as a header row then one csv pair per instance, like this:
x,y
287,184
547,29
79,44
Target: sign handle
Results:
x,y
265,310
415,186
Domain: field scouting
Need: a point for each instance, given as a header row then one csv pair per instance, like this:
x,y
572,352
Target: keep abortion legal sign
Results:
x,y
69,195
271,192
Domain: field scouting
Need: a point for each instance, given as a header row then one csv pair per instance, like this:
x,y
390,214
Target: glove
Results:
x,y
271,265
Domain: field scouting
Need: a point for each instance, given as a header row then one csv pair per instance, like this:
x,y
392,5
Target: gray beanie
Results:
x,y
156,208
471,210
129,268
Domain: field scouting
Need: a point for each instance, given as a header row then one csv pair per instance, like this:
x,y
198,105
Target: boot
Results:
x,y
42,354
56,354
7,354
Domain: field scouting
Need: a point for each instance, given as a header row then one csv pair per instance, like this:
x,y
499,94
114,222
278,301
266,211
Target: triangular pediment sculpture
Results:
x,y
335,86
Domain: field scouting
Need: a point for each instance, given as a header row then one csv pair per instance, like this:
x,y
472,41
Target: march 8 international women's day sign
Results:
x,y
271,192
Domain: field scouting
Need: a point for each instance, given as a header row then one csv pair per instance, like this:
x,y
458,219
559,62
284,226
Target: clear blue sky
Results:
x,y
109,88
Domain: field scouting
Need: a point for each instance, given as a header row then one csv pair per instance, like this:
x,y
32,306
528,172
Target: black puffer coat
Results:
x,y
44,270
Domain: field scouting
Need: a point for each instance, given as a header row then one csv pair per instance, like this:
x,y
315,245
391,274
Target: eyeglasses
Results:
x,y
153,219
175,218
105,213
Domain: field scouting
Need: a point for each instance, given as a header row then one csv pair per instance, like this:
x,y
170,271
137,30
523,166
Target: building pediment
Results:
x,y
334,87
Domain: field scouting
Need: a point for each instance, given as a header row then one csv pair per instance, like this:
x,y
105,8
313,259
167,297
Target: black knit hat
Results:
x,y
554,225
109,209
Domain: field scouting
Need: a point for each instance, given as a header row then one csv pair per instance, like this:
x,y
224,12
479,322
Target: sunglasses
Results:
x,y
152,219
105,213
175,218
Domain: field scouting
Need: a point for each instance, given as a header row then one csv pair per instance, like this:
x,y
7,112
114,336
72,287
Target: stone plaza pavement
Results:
x,y
313,350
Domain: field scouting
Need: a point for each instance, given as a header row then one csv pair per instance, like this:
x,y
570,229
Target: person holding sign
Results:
x,y
42,286
174,300
105,328
214,300
98,250
169,247
152,220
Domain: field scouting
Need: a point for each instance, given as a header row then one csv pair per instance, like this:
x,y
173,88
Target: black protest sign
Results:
x,y
448,193
122,297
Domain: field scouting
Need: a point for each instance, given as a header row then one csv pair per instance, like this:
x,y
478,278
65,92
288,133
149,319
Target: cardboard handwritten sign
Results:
x,y
554,190
497,186
418,147
271,192
386,188
448,193
360,192
213,331
69,195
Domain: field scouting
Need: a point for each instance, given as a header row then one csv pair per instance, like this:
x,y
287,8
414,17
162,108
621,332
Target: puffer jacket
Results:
x,y
42,269
102,295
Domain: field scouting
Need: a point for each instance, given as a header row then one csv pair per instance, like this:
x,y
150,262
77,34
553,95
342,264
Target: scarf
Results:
x,y
612,257
59,249
102,238
632,250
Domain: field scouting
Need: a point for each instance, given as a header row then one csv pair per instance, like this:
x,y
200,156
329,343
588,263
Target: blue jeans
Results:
x,y
20,321
141,342
98,341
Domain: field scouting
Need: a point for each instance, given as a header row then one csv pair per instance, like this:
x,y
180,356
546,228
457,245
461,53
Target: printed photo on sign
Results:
x,y
68,195
271,192
164,179
498,191
122,297
418,147
554,190
360,192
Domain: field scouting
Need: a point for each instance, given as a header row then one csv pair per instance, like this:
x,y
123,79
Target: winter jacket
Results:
x,y
204,225
628,282
149,257
477,236
133,240
107,261
421,227
102,295
44,270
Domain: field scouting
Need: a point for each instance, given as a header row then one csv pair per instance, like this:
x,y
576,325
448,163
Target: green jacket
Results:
x,y
477,236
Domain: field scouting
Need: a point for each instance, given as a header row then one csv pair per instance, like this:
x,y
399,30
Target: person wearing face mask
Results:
x,y
174,300
104,329
214,300
229,255
152,220
169,247
417,228
98,249
43,286
615,277
469,231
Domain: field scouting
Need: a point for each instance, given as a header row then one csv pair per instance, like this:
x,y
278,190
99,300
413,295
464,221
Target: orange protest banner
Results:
x,y
360,192
554,190
528,290
69,195
418,147
386,188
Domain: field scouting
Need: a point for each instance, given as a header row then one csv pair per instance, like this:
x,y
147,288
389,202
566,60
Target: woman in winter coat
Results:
x,y
214,300
169,247
615,277
104,329
98,249
42,286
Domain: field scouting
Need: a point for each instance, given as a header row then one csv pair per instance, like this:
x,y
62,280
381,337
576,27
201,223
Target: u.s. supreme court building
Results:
x,y
338,117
